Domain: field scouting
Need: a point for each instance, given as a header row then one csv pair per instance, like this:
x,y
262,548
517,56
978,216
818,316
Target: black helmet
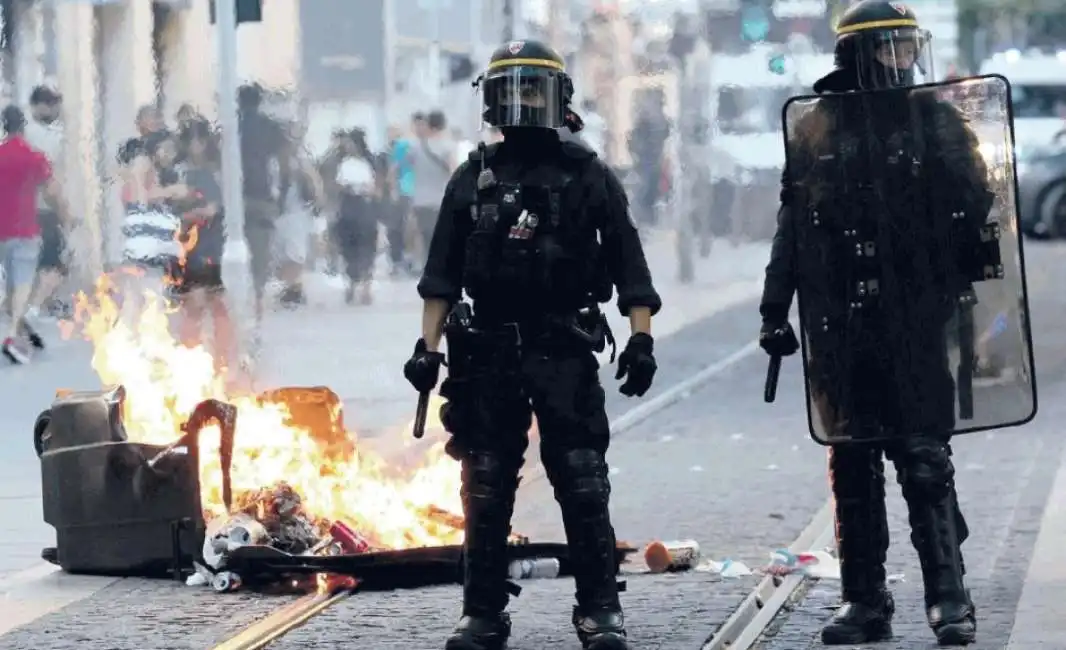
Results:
x,y
882,43
526,84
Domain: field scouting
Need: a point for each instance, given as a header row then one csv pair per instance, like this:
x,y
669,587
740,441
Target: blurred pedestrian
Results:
x,y
350,166
23,171
203,236
296,223
265,162
44,132
403,188
433,158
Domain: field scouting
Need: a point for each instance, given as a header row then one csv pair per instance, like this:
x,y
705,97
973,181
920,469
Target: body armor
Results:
x,y
532,240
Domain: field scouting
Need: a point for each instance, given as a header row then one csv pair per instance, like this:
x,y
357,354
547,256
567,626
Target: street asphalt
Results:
x,y
721,467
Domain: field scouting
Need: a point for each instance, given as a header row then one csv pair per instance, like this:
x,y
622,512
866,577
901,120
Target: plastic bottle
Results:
x,y
226,581
534,569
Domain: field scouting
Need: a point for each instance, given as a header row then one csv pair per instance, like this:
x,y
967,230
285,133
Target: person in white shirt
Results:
x,y
44,132
595,131
463,147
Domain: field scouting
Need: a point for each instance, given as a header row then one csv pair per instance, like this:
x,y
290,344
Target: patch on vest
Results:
x,y
524,227
514,47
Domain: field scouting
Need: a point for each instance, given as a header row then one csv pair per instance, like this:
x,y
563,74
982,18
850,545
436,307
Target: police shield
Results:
x,y
910,273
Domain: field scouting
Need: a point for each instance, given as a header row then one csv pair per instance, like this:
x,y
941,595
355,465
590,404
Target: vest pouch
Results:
x,y
520,269
481,259
564,275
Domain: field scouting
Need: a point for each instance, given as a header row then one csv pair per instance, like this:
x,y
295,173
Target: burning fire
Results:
x,y
165,380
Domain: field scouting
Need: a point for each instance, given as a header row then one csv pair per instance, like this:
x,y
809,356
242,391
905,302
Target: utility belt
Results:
x,y
584,329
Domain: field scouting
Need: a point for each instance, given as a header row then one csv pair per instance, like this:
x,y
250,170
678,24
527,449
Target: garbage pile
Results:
x,y
273,517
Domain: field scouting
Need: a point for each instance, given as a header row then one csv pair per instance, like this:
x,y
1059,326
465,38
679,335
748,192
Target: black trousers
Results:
x,y
927,476
493,391
355,233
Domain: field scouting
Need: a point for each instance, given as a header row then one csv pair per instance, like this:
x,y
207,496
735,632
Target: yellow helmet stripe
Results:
x,y
540,63
877,24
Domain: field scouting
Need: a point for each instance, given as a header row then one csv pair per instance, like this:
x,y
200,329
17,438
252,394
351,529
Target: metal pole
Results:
x,y
517,19
388,11
436,63
232,178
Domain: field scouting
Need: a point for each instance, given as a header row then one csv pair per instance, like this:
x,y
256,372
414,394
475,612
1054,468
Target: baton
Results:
x,y
773,371
419,428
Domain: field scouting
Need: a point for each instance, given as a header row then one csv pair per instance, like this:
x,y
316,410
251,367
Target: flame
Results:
x,y
165,380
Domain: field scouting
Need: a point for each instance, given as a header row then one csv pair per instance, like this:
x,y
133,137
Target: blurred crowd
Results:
x,y
334,213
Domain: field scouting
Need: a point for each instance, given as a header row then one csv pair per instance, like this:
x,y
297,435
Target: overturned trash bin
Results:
x,y
118,507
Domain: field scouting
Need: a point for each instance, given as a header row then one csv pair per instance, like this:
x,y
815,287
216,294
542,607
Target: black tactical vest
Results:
x,y
532,243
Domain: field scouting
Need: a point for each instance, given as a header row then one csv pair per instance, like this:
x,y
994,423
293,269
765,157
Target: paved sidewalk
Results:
x,y
1040,622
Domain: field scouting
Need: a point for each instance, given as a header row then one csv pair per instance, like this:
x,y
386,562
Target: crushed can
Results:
x,y
226,581
350,541
680,555
534,569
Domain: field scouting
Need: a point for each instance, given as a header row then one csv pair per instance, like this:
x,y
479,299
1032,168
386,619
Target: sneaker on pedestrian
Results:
x,y
29,331
15,352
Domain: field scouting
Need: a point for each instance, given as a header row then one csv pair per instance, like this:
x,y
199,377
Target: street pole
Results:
x,y
558,14
389,57
232,178
436,63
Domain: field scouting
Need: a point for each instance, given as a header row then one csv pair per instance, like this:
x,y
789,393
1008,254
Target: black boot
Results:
x,y
582,489
937,535
938,529
489,485
858,483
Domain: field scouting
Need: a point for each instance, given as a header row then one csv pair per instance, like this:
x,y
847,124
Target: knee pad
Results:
x,y
488,478
579,477
924,469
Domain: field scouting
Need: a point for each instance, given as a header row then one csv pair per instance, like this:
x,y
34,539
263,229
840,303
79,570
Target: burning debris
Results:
x,y
166,471
279,513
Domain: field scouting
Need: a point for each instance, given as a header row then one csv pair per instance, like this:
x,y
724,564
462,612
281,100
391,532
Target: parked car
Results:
x,y
1042,190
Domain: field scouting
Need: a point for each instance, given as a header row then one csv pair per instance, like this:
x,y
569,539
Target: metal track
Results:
x,y
283,620
746,625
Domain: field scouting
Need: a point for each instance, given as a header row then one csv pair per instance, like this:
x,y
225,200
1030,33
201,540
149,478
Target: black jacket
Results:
x,y
605,205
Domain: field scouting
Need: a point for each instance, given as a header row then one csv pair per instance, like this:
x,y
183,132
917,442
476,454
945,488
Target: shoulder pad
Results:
x,y
577,150
490,151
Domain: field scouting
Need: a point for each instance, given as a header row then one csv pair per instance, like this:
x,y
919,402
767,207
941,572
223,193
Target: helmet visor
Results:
x,y
894,58
523,96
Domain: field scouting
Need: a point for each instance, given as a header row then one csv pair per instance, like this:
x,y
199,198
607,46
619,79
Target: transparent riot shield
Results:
x,y
910,272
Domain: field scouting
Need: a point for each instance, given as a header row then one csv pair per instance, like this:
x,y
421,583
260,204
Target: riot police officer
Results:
x,y
537,232
884,204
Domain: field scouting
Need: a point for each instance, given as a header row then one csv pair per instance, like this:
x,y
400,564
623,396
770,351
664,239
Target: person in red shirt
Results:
x,y
23,171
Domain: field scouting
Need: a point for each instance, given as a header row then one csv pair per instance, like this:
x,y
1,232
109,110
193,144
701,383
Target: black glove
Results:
x,y
637,365
778,339
423,368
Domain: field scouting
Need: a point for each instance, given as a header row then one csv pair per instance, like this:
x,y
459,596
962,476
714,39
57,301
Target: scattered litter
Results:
x,y
731,569
696,468
224,534
535,569
613,471
737,436
795,447
771,467
666,438
895,578
814,564
226,581
974,467
680,555
777,515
